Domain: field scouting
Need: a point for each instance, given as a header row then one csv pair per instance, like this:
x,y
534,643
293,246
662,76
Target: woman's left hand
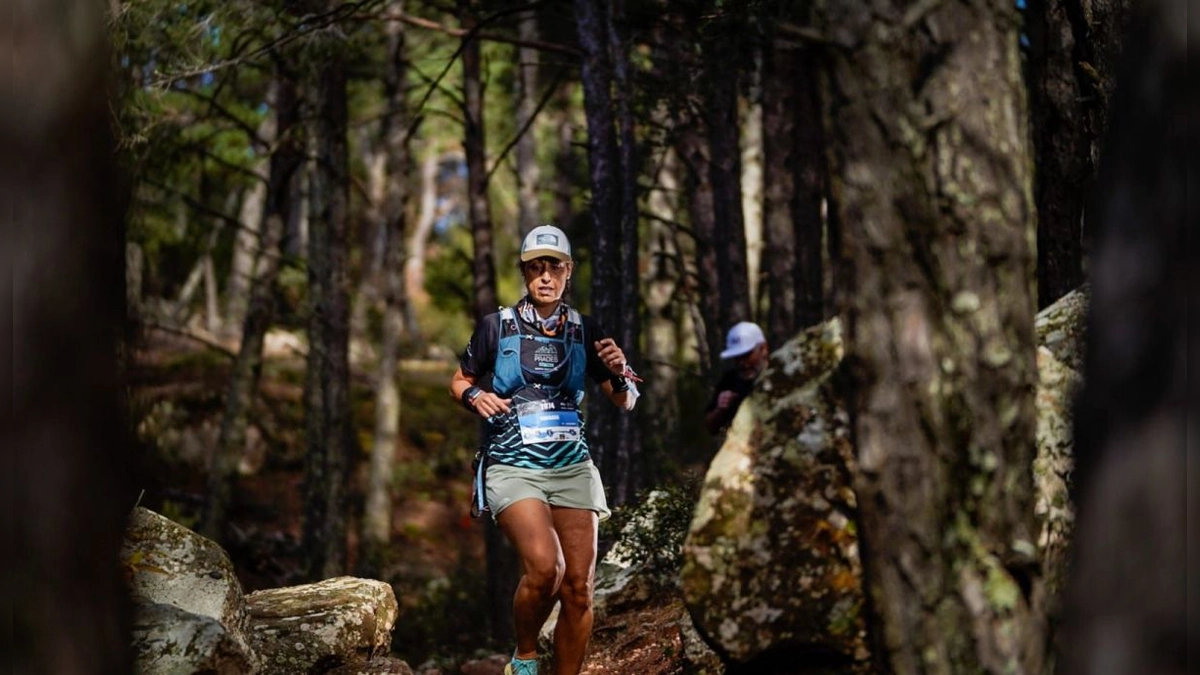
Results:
x,y
611,355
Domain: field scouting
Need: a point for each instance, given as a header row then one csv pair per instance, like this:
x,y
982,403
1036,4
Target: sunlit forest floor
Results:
x,y
437,564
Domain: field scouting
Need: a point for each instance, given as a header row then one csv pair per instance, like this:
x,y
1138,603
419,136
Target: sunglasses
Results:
x,y
536,268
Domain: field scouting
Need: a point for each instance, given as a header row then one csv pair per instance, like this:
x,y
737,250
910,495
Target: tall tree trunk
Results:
x,y
662,280
566,164
475,146
780,120
628,455
247,241
725,170
1073,47
503,567
69,486
931,173
751,170
377,516
285,161
705,282
414,264
810,183
607,212
528,174
327,409
1131,594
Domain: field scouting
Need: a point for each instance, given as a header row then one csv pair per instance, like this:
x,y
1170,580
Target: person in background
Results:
x,y
746,346
523,371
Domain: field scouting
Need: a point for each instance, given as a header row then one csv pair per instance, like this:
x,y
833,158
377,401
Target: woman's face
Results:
x,y
545,279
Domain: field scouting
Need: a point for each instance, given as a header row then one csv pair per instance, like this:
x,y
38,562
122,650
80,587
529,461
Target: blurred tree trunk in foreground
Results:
x,y
327,384
1129,590
930,171
69,481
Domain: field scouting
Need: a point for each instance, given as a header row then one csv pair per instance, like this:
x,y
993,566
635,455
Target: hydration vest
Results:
x,y
509,374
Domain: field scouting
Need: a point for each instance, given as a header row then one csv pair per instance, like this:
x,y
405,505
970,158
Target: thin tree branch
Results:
x,y
550,91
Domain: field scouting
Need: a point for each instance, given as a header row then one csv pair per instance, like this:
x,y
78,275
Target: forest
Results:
x,y
253,237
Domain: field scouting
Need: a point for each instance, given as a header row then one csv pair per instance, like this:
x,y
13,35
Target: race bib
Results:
x,y
546,422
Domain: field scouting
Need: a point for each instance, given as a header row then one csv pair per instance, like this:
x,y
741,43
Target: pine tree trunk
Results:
x,y
810,190
705,279
70,484
528,174
284,163
327,410
930,163
627,329
780,119
414,264
725,172
607,214
475,146
1073,47
377,513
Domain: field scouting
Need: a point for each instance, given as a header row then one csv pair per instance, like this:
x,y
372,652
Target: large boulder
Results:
x,y
324,625
191,616
189,611
771,568
771,560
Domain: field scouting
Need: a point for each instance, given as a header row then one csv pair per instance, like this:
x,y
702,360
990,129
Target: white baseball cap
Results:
x,y
742,338
545,240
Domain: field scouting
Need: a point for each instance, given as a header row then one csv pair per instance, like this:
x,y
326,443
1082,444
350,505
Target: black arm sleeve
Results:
x,y
479,358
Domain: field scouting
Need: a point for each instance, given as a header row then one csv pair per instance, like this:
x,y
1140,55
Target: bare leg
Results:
x,y
577,533
530,528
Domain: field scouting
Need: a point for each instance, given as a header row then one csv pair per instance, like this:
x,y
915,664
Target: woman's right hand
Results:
x,y
488,404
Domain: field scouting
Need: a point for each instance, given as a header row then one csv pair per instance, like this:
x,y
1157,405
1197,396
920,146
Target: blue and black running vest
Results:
x,y
543,428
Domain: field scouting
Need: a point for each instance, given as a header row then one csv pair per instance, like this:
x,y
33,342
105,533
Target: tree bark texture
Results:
x,y
475,146
1074,45
327,409
70,485
529,210
811,188
605,169
704,281
259,312
377,513
780,119
725,171
931,178
627,328
414,264
1129,595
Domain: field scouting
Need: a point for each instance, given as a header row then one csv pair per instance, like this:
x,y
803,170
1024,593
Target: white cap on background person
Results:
x,y
547,241
742,338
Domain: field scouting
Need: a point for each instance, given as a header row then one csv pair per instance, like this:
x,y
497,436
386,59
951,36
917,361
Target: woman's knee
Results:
x,y
576,591
544,573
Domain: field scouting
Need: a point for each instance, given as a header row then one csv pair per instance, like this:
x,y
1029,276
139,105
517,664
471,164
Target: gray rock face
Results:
x,y
771,562
188,603
191,617
331,621
772,558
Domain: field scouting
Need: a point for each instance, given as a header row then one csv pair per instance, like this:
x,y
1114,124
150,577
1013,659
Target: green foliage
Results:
x,y
651,531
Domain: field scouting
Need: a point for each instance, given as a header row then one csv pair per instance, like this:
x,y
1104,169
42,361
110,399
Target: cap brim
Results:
x,y
543,253
736,352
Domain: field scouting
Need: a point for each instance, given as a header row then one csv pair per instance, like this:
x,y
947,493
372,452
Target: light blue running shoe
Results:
x,y
521,667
